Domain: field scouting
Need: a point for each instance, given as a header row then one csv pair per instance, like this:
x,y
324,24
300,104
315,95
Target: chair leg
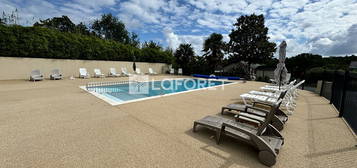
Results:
x,y
222,111
219,135
194,127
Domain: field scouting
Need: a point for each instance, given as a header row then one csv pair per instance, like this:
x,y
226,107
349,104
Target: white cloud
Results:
x,y
175,40
32,11
339,45
95,3
307,26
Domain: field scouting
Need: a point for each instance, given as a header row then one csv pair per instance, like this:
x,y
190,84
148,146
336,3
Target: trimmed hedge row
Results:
x,y
38,42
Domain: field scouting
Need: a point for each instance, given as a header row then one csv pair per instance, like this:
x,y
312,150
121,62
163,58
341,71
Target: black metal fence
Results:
x,y
342,93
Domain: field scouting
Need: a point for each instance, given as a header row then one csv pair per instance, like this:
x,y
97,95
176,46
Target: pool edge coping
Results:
x,y
114,103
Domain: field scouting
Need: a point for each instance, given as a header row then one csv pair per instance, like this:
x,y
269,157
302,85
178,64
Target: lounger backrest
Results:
x,y
138,70
288,76
151,71
269,117
172,71
124,70
55,72
180,70
35,72
97,71
113,71
297,85
82,71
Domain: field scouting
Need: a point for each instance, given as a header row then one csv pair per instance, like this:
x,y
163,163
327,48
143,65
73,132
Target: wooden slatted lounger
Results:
x,y
265,138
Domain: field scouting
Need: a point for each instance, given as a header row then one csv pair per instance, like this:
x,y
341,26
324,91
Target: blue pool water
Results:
x,y
127,92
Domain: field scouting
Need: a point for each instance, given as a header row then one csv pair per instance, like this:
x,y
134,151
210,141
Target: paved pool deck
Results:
x,y
57,124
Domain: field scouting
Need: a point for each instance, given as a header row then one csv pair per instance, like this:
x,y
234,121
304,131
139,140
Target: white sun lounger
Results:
x,y
180,71
98,73
125,72
289,100
274,88
36,75
172,71
113,72
152,72
138,71
55,75
83,73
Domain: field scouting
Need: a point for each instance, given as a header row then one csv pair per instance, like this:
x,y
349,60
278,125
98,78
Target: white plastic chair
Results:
x,y
172,71
98,73
152,72
125,72
36,75
55,74
138,71
113,72
180,71
83,73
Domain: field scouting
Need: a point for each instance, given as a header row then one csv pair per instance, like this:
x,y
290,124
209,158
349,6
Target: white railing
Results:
x,y
95,86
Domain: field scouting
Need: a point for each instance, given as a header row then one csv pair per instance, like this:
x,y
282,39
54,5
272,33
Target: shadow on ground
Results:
x,y
232,151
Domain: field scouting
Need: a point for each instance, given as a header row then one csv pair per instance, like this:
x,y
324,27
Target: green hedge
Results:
x,y
38,42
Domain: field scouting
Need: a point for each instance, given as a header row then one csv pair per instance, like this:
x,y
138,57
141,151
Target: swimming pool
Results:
x,y
130,91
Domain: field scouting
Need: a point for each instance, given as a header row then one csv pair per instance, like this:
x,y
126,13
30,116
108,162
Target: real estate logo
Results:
x,y
139,84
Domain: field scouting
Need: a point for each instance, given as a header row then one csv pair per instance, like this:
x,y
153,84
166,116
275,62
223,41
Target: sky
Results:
x,y
325,27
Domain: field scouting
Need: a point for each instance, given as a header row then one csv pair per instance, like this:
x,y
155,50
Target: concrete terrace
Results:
x,y
57,124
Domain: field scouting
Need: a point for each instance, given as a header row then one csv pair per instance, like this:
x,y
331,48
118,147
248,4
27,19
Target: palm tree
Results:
x,y
185,57
214,50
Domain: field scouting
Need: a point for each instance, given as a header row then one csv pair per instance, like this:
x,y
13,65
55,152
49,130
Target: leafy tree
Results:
x,y
134,40
81,28
249,41
63,24
299,64
152,44
110,27
185,57
152,52
313,65
213,48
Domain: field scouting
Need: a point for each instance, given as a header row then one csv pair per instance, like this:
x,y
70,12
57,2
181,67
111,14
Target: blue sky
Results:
x,y
326,27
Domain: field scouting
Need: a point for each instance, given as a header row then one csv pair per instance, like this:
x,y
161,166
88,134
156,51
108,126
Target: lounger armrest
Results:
x,y
273,131
255,108
248,117
232,125
262,103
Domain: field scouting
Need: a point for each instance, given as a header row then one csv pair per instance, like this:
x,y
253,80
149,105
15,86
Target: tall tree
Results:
x,y
249,40
110,27
185,57
214,50
62,23
134,40
81,28
298,65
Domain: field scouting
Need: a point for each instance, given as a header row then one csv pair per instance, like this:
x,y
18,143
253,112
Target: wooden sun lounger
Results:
x,y
265,138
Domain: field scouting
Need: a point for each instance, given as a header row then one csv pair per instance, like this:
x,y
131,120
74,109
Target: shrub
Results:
x,y
39,42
